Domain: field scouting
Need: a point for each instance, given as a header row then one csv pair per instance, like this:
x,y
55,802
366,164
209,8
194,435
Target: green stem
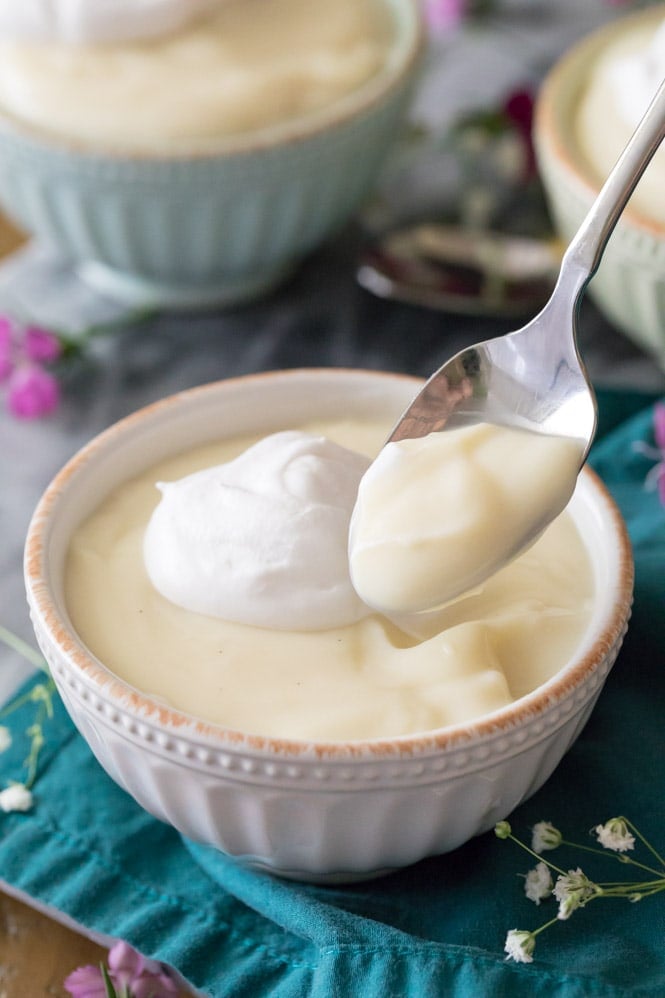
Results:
x,y
644,841
23,648
608,854
547,925
541,859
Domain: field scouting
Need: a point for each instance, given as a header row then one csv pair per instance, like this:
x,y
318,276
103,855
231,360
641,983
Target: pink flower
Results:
x,y
444,15
143,978
131,974
40,345
25,353
32,392
86,982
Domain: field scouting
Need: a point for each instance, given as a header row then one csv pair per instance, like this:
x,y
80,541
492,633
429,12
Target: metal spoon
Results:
x,y
534,377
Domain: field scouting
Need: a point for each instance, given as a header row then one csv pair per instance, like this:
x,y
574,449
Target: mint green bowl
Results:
x,y
220,225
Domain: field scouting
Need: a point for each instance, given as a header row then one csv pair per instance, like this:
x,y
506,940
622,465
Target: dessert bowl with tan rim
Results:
x,y
629,286
306,809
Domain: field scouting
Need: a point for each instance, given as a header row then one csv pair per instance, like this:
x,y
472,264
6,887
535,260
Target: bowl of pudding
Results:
x,y
199,165
588,107
225,673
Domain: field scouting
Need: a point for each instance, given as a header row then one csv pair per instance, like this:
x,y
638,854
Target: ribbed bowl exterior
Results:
x,y
319,819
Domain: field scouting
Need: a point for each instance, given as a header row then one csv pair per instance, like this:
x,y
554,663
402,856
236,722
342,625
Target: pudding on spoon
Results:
x,y
445,525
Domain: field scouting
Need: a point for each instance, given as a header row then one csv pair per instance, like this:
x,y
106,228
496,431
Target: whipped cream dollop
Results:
x,y
621,83
261,539
97,21
634,76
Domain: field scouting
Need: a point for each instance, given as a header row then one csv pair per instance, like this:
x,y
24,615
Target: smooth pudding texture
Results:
x,y
246,65
437,515
621,85
369,679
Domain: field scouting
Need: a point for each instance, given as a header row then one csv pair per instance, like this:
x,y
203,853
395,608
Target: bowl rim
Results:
x,y
550,107
131,701
406,49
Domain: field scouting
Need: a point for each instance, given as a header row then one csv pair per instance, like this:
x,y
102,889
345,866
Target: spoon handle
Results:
x,y
586,249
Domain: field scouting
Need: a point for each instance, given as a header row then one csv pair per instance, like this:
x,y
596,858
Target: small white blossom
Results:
x,y
5,738
520,945
572,890
538,883
614,835
16,797
545,836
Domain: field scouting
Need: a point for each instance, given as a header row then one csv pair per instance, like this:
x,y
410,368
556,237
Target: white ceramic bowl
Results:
x,y
219,225
304,809
629,286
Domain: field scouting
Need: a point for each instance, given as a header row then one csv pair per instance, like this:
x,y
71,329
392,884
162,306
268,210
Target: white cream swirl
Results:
x,y
97,21
621,83
634,77
261,539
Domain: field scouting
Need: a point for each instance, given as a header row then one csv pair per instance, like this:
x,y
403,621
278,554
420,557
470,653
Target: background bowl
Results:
x,y
213,226
629,286
308,810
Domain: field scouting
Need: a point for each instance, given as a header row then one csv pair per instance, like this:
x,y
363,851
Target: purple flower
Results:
x,y
6,349
130,973
656,477
32,392
659,426
518,108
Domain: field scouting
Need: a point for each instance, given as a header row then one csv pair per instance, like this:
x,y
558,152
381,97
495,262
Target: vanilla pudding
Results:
x,y
370,677
238,67
621,83
438,515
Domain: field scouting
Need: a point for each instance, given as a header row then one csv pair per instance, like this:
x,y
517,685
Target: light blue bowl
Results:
x,y
220,225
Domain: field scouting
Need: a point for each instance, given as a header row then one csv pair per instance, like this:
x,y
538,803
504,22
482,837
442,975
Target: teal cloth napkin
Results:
x,y
437,928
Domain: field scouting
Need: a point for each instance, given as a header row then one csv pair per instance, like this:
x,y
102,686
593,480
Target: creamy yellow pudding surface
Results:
x,y
368,680
251,64
621,82
437,515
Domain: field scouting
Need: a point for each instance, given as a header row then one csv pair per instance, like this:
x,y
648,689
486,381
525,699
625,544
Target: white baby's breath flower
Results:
x,y
520,945
16,797
538,883
614,835
545,836
572,890
5,738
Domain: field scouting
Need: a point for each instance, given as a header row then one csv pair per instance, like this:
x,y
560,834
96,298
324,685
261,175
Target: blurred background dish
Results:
x,y
213,219
579,130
